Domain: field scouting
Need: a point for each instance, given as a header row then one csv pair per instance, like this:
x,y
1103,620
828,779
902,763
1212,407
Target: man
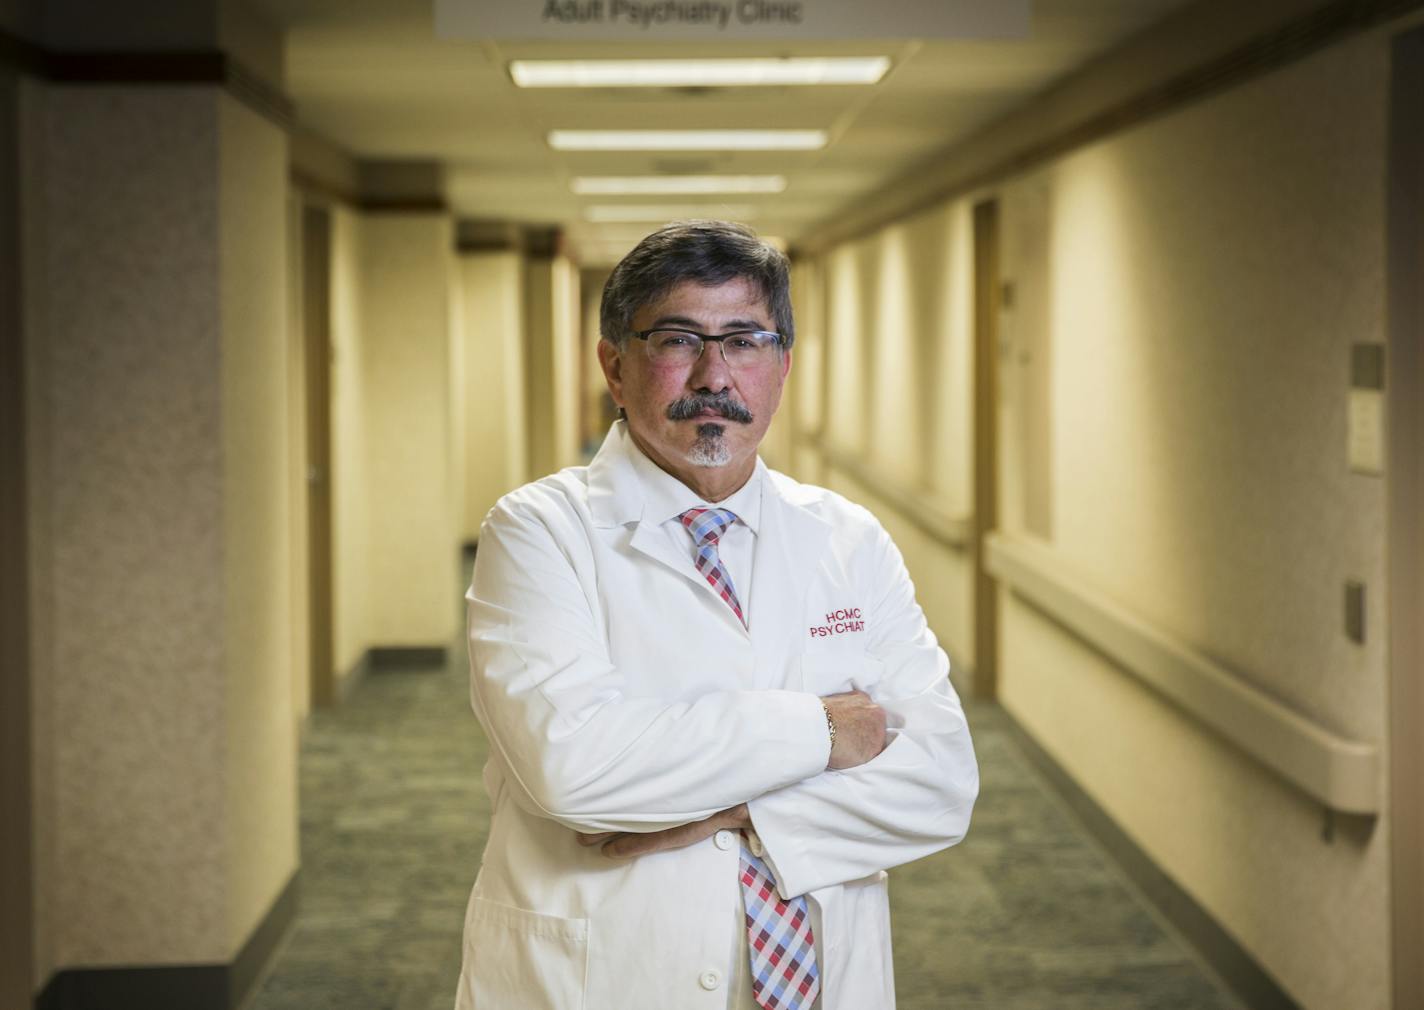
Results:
x,y
716,715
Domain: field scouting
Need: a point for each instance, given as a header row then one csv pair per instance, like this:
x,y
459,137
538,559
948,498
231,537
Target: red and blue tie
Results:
x,y
706,527
780,942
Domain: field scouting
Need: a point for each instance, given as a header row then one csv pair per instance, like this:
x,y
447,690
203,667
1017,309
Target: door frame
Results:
x,y
987,282
316,340
17,937
1404,532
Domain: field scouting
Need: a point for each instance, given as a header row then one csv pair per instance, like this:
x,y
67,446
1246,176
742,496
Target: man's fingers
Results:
x,y
627,847
591,838
632,846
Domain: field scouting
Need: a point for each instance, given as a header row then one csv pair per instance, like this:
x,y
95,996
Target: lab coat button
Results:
x,y
710,980
723,839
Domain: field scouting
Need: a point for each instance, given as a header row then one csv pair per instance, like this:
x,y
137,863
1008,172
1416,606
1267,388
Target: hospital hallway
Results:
x,y
1028,912
1083,345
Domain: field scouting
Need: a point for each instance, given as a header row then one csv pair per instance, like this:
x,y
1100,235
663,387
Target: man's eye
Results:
x,y
674,340
741,343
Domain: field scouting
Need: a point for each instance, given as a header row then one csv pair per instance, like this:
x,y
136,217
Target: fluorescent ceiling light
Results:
x,y
697,73
687,140
628,212
625,185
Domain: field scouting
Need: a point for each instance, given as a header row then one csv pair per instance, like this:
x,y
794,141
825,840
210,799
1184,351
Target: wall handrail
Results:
x,y
952,531
1342,773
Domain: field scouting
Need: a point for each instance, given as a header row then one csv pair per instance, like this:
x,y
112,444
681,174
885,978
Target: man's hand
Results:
x,y
860,728
860,735
630,845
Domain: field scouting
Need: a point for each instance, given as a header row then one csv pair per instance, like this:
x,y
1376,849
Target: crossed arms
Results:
x,y
860,736
642,774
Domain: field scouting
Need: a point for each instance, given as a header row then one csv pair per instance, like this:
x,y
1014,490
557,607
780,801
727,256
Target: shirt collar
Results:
x,y
665,497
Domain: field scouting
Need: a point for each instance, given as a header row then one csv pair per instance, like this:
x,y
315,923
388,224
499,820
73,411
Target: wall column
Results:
x,y
164,753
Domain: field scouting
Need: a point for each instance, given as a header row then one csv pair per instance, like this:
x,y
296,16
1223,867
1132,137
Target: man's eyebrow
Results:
x,y
694,324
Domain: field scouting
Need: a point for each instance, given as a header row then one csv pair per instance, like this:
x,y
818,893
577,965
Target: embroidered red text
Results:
x,y
839,622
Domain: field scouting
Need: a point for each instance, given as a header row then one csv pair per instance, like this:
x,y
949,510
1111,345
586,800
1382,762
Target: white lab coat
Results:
x,y
619,693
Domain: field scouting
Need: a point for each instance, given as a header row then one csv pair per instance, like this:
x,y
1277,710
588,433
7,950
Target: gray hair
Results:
x,y
707,252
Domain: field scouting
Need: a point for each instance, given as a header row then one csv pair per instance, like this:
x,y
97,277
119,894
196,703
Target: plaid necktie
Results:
x,y
780,942
706,526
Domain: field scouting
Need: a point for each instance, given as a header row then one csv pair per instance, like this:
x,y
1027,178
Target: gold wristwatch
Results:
x,y
830,724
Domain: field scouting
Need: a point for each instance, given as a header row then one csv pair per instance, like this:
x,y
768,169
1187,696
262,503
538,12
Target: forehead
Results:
x,y
739,300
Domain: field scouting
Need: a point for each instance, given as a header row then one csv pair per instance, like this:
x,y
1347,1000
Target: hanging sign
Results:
x,y
708,20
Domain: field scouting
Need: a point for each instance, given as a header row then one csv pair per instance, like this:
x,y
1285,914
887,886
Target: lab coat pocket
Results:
x,y
517,958
833,672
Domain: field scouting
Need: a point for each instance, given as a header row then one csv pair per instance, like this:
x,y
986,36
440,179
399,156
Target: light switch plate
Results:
x,y
1366,435
1355,611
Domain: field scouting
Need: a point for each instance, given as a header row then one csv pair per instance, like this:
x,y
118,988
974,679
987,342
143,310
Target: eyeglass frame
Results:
x,y
718,338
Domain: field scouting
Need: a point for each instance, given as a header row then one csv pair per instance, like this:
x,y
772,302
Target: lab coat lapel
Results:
x,y
789,549
652,540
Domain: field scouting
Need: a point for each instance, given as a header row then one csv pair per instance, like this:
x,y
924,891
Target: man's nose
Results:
x,y
711,373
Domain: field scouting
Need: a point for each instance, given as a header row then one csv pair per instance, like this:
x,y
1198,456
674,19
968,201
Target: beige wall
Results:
x,y
125,328
350,502
457,346
570,356
552,364
396,475
1204,279
1174,382
260,743
297,466
165,767
35,294
539,366
882,371
413,550
492,401
597,406
799,419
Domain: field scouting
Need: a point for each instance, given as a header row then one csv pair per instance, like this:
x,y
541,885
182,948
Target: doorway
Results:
x,y
16,800
316,337
1404,532
986,444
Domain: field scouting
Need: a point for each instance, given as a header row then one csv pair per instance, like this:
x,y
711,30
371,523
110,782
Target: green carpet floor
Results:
x,y
1025,914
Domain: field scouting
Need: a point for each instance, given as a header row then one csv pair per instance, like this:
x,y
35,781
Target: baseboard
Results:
x,y
407,657
390,658
256,953
961,675
176,987
348,684
1237,969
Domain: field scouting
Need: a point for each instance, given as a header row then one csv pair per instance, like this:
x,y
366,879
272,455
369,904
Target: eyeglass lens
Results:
x,y
740,350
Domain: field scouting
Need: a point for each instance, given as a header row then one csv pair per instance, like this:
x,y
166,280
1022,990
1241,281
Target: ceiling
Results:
x,y
371,76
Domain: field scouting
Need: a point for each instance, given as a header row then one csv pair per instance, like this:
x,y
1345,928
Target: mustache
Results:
x,y
722,403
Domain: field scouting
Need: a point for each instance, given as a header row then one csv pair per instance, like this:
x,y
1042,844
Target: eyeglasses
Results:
x,y
740,349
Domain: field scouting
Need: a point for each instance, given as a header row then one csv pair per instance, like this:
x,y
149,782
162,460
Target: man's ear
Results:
x,y
610,359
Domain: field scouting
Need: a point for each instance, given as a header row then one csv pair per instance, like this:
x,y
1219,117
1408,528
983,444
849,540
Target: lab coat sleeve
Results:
x,y
916,796
572,745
